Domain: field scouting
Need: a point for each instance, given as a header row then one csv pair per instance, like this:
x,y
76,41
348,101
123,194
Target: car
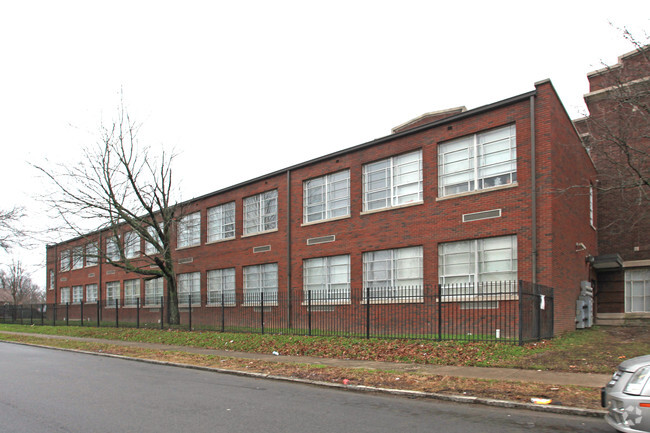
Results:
x,y
627,396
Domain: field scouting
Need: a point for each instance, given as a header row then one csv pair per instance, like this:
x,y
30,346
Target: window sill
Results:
x,y
396,300
218,241
259,304
384,209
480,191
188,247
311,223
259,233
326,302
226,304
90,266
479,298
152,306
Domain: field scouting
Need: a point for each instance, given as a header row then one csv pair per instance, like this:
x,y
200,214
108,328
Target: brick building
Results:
x,y
617,132
499,193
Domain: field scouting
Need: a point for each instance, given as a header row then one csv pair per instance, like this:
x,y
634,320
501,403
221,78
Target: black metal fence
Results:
x,y
506,311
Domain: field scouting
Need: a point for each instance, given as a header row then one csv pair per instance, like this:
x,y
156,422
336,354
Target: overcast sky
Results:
x,y
244,88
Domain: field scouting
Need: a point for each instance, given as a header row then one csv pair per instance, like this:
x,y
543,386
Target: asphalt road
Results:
x,y
44,390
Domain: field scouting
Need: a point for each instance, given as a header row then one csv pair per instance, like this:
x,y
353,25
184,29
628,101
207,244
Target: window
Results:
x,y
189,230
92,254
326,197
637,290
261,279
478,266
131,245
153,291
392,182
52,282
327,279
150,248
221,222
77,257
112,249
65,260
65,295
477,162
393,274
261,212
91,293
189,285
77,294
131,292
112,293
221,281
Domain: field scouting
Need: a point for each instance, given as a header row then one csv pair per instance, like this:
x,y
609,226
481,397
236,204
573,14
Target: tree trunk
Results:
x,y
173,315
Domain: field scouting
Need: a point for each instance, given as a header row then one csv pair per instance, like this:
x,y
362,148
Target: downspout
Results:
x,y
56,273
533,185
99,280
289,247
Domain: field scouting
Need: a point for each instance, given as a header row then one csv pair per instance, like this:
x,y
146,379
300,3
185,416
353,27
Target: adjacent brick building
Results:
x,y
496,193
617,132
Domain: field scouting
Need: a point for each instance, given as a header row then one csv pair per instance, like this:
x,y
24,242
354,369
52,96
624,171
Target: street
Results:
x,y
43,390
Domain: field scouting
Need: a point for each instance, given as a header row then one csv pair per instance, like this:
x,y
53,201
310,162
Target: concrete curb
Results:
x,y
565,410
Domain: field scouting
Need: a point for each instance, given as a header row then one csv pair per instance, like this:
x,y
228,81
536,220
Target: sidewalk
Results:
x,y
508,374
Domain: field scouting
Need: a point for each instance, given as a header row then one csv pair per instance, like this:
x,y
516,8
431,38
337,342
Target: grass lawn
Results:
x,y
597,350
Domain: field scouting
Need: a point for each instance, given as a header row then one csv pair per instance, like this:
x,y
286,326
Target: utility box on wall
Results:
x,y
585,306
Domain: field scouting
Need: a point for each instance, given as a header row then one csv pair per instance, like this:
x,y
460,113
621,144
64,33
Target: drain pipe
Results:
x,y
533,183
289,307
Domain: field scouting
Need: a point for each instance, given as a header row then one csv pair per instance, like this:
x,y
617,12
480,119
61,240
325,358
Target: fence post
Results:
x,y
99,306
67,314
54,313
309,310
137,312
20,311
439,299
31,314
162,308
223,312
81,312
117,314
42,314
521,313
189,304
262,309
538,306
368,312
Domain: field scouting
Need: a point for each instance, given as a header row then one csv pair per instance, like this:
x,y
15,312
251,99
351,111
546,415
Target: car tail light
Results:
x,y
614,378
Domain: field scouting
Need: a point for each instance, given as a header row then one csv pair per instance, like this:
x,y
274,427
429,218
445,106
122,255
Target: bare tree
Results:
x,y
17,282
120,187
10,230
617,135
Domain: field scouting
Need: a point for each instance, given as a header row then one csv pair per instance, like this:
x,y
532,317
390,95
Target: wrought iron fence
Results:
x,y
506,311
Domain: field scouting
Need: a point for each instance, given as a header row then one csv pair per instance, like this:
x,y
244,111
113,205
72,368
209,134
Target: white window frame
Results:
x,y
486,266
221,222
189,284
189,230
258,279
91,293
153,291
77,257
112,249
326,197
92,254
65,261
384,181
149,248
261,213
221,281
65,295
327,279
637,290
394,275
131,292
52,280
468,164
77,294
591,206
131,245
112,293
